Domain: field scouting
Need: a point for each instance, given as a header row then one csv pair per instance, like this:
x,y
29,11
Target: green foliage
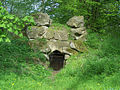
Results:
x,y
12,24
32,80
93,40
97,69
13,55
64,9
17,65
37,45
98,13
22,7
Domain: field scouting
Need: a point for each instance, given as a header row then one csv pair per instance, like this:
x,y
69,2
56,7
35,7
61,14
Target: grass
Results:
x,y
17,68
57,26
97,69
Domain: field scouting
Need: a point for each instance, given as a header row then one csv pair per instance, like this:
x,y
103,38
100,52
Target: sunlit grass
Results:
x,y
97,69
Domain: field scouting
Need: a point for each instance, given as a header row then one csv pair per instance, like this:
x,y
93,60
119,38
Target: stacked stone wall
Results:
x,y
57,39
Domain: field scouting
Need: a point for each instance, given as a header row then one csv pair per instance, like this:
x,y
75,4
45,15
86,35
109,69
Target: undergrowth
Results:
x,y
17,67
97,69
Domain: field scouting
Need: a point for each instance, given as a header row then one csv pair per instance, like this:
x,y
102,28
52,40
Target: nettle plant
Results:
x,y
12,24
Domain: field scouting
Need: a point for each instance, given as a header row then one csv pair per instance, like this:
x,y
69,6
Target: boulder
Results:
x,y
52,45
80,30
70,51
61,35
39,45
78,45
47,56
72,45
81,37
36,32
76,21
49,34
66,56
57,45
79,33
42,19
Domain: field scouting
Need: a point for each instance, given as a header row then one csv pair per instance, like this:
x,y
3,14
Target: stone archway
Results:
x,y
56,59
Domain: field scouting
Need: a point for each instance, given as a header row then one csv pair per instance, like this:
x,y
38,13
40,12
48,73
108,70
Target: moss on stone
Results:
x,y
71,51
35,15
57,26
79,44
38,44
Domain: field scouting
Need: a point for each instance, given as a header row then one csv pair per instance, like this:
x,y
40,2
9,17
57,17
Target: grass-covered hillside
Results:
x,y
97,69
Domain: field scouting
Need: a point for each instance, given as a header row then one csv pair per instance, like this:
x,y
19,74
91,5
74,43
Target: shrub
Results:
x,y
12,24
14,55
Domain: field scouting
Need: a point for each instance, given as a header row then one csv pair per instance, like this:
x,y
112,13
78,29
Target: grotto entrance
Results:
x,y
56,59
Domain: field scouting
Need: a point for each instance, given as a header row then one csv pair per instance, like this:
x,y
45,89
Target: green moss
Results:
x,y
70,37
38,43
57,26
71,51
80,45
35,15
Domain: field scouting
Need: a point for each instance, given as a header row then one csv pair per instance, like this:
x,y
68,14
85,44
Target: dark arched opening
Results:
x,y
56,59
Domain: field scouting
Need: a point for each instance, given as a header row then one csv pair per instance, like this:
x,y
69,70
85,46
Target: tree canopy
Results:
x,y
12,24
98,13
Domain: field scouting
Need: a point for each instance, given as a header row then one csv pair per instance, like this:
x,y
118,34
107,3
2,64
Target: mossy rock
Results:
x,y
39,45
36,32
42,19
35,15
79,45
72,51
59,27
49,34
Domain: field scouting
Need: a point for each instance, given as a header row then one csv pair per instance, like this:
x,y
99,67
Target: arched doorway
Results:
x,y
56,59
